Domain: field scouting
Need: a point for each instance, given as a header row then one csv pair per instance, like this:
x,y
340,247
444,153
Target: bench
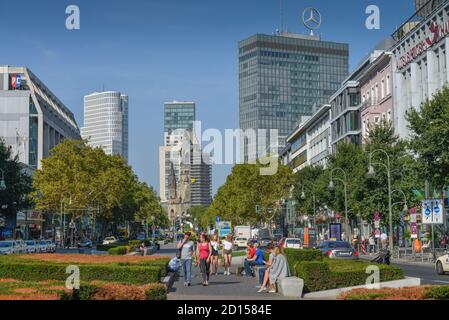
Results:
x,y
290,287
256,272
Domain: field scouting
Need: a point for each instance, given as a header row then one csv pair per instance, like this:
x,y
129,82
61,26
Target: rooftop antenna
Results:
x,y
281,16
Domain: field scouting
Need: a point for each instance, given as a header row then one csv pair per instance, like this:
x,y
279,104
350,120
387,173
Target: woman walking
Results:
x,y
214,259
203,253
227,255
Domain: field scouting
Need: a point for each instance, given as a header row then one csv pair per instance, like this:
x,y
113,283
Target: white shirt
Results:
x,y
227,245
383,236
214,245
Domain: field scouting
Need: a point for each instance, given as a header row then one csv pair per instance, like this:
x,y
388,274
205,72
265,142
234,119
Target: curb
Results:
x,y
333,294
169,280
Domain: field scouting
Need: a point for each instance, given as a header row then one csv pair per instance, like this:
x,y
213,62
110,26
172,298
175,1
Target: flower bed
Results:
x,y
410,293
96,290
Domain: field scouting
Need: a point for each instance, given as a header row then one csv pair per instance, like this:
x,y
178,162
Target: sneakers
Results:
x,y
271,291
262,289
258,286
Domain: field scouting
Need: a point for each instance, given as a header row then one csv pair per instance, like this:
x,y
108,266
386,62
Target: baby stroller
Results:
x,y
383,257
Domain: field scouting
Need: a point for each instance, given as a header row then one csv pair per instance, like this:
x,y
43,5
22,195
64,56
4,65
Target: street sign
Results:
x,y
257,208
377,233
217,219
432,211
377,220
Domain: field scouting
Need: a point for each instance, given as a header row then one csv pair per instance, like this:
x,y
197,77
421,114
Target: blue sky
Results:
x,y
163,50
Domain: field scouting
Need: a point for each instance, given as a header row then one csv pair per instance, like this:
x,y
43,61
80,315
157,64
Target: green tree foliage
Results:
x,y
430,138
245,188
18,183
147,205
199,213
365,194
83,177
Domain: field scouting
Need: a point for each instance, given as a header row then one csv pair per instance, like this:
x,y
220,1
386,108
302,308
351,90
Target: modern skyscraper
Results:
x,y
106,122
282,77
32,119
179,120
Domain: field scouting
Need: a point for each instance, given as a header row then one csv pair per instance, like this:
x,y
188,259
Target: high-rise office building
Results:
x,y
282,77
179,120
106,122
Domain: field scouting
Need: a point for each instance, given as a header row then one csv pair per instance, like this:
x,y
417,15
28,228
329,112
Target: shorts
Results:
x,y
228,251
214,253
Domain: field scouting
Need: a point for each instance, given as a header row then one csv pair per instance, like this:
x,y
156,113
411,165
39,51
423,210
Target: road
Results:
x,y
426,273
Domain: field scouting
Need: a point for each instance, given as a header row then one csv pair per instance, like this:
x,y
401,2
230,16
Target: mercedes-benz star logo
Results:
x,y
311,18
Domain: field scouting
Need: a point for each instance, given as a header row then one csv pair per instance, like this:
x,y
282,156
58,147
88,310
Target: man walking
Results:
x,y
186,246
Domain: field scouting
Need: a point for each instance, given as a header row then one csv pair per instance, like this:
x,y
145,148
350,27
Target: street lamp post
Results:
x,y
371,172
153,218
344,181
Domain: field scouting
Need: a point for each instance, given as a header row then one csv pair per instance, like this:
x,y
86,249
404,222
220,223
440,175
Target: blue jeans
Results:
x,y
187,267
247,265
262,275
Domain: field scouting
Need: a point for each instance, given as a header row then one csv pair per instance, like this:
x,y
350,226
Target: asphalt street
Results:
x,y
426,273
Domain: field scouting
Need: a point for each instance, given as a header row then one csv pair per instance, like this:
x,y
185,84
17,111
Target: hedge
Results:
x,y
438,293
132,274
333,274
119,251
112,291
295,256
106,247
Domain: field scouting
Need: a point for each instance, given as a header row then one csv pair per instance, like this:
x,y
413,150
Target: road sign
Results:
x,y
432,211
257,208
217,219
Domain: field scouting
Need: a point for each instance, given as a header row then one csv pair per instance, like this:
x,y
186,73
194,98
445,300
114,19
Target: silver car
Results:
x,y
43,246
338,250
7,247
51,246
20,246
32,246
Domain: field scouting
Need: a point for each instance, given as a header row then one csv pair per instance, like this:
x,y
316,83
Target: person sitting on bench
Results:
x,y
257,260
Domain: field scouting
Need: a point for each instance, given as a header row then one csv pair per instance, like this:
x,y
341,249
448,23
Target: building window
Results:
x,y
388,85
382,88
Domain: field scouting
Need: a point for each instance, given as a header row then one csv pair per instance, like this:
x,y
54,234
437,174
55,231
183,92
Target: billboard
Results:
x,y
224,228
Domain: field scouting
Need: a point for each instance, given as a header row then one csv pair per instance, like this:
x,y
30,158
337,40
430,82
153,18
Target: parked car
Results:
x,y
293,243
85,243
338,250
51,246
20,246
7,247
110,240
43,246
240,242
442,264
265,241
32,246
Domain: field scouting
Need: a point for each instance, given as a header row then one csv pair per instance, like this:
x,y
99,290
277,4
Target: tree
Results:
x,y
430,138
404,174
77,177
245,188
199,214
312,180
18,185
147,204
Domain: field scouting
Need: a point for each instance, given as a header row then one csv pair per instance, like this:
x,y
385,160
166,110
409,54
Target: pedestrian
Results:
x,y
279,268
372,243
203,254
264,272
214,259
250,250
257,260
227,255
384,240
187,248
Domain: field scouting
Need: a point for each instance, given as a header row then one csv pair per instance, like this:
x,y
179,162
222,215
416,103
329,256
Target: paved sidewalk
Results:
x,y
220,287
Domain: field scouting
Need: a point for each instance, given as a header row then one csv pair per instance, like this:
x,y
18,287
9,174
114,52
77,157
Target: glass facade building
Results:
x,y
178,115
106,122
283,77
